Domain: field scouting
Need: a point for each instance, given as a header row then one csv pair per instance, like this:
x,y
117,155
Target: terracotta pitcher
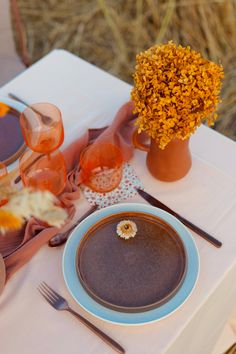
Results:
x,y
169,164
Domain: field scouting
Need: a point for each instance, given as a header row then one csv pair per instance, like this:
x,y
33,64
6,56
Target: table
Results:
x,y
89,97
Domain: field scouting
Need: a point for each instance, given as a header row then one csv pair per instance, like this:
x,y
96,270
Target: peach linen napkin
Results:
x,y
35,234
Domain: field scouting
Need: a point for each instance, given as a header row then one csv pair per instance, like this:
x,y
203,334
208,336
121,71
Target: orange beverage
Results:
x,y
42,127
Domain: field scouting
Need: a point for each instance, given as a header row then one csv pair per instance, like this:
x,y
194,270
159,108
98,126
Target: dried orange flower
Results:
x,y
24,203
9,221
175,89
3,109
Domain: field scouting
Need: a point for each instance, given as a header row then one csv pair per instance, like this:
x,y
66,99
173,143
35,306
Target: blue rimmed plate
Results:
x,y
88,303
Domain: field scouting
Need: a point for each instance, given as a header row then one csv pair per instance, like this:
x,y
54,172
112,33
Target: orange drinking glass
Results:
x,y
3,170
45,172
3,173
101,165
42,127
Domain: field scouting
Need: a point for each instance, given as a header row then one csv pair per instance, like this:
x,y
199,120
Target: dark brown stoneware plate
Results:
x,y
11,140
132,275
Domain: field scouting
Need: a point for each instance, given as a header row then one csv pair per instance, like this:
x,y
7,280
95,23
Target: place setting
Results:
x,y
130,259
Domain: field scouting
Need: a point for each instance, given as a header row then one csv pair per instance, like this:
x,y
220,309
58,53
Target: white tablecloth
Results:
x,y
89,97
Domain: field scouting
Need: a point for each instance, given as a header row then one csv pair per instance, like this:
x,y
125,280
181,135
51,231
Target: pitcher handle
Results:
x,y
137,143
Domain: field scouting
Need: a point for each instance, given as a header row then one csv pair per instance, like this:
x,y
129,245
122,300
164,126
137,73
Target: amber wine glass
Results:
x,y
102,166
44,172
42,127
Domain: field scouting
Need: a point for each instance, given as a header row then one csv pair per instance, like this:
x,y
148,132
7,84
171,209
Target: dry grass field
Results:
x,y
109,33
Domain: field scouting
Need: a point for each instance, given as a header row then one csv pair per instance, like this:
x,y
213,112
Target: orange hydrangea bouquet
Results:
x,y
175,89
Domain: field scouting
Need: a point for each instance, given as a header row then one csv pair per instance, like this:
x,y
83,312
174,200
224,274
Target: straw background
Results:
x,y
109,33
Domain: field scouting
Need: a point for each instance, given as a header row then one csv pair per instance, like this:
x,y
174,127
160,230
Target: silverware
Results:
x,y
62,237
14,97
45,119
59,303
155,202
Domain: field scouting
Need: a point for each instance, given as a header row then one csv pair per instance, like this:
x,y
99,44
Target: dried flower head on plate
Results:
x,y
126,229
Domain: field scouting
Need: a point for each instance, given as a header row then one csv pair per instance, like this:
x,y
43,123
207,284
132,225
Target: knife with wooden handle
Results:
x,y
155,202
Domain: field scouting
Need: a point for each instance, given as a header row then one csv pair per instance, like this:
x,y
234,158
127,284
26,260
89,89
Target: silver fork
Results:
x,y
59,303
